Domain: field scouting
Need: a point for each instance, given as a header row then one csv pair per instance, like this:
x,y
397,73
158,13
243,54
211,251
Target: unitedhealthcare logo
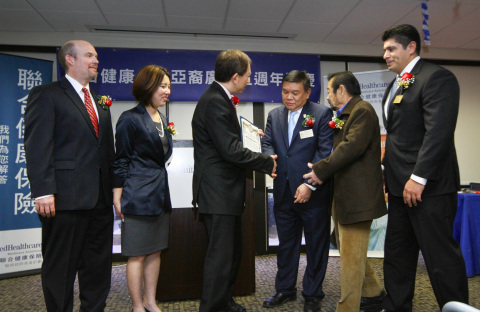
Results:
x,y
23,246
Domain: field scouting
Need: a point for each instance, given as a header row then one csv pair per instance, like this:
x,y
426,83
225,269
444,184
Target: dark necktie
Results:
x,y
91,110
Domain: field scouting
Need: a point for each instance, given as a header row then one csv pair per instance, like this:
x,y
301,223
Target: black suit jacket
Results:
x,y
420,132
64,156
140,164
220,158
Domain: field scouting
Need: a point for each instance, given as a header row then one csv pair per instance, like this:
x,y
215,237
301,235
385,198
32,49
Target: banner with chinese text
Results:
x,y
192,71
20,233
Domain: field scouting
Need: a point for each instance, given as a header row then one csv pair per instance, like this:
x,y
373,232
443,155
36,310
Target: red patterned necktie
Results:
x,y
91,111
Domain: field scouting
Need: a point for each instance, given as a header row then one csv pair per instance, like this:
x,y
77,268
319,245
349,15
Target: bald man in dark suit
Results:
x,y
69,151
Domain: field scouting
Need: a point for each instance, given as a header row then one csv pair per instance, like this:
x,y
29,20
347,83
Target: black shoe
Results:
x,y
312,305
233,306
372,304
278,299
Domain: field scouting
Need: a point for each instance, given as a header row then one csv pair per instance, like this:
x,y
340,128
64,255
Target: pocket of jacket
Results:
x,y
64,164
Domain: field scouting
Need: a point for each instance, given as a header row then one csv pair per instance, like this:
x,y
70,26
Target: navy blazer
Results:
x,y
292,160
139,165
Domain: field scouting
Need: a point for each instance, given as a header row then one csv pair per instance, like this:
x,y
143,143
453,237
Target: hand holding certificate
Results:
x,y
250,136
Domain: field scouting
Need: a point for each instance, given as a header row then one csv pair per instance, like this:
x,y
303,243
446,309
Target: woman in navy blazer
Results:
x,y
141,195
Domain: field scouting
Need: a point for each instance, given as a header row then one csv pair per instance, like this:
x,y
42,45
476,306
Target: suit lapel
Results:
x,y
391,104
73,95
387,98
415,70
283,122
169,137
151,129
228,103
338,133
417,67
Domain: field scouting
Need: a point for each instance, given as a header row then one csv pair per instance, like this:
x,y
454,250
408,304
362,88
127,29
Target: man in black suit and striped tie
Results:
x,y
69,151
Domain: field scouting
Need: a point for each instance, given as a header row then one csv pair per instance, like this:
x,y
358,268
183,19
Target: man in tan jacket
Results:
x,y
358,190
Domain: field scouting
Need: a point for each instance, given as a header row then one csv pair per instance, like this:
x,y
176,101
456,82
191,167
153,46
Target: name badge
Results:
x,y
397,99
306,134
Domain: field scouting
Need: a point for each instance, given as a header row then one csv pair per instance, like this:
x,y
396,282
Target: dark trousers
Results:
x,y
222,260
429,228
313,217
77,241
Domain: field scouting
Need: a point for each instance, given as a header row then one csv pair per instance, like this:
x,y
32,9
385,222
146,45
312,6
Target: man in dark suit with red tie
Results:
x,y
421,173
219,178
69,151
298,133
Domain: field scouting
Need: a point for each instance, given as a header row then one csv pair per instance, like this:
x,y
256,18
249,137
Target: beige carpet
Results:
x,y
25,293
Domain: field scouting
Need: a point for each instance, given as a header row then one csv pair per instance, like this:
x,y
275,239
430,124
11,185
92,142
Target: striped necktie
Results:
x,y
91,110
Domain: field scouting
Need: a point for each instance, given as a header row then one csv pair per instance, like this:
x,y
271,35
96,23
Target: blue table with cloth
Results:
x,y
466,230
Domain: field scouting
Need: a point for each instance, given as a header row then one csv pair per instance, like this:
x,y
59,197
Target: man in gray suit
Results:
x,y
357,190
219,178
421,174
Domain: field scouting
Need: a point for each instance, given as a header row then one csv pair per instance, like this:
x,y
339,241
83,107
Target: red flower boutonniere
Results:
x,y
308,121
171,128
336,123
404,82
105,101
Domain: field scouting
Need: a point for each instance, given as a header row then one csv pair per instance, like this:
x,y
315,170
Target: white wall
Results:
x,y
468,125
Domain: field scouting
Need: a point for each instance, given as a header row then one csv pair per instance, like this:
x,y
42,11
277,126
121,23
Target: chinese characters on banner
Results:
x,y
192,71
20,234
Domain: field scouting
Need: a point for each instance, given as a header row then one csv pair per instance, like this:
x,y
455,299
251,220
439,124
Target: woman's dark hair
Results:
x,y
147,81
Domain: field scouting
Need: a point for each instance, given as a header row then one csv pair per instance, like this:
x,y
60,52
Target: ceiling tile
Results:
x,y
14,20
259,9
314,11
73,21
204,8
15,4
194,23
307,31
131,6
260,26
136,21
64,5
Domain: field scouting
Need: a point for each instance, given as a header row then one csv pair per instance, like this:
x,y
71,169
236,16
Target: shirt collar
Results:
x,y
339,112
410,66
77,85
225,89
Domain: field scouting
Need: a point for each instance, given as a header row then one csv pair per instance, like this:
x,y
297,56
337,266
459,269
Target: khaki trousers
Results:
x,y
357,278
